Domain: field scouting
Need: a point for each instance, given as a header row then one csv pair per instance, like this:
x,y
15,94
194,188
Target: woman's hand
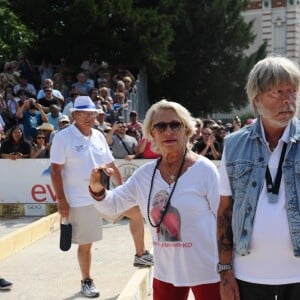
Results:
x,y
95,179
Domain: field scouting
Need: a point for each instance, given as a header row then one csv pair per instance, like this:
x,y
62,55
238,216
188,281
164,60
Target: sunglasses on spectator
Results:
x,y
64,122
86,114
162,126
48,91
40,138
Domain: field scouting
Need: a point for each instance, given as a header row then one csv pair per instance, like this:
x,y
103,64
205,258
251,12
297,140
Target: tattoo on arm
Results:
x,y
225,240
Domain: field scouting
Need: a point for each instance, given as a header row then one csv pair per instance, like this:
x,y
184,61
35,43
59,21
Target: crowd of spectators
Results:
x,y
32,111
209,137
35,98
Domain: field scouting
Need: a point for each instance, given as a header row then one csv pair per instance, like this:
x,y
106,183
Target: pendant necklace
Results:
x,y
164,210
172,176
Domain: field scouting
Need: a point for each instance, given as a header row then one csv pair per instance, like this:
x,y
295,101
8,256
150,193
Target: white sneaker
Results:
x,y
88,288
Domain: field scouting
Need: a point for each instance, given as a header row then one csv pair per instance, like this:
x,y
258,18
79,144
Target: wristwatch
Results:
x,y
224,267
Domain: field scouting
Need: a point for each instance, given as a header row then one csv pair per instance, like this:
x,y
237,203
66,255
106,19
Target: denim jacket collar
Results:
x,y
294,135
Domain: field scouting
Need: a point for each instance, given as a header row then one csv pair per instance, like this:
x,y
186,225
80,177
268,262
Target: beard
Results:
x,y
277,123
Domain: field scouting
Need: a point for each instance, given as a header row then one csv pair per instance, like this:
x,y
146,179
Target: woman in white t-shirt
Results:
x,y
178,196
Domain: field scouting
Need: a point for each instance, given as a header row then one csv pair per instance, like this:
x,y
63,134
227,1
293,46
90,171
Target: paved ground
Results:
x,y
42,271
10,224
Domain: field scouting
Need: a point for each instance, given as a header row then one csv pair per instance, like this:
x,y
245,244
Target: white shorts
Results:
x,y
86,224
116,218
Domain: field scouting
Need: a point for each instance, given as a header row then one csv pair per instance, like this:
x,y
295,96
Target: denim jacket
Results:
x,y
246,161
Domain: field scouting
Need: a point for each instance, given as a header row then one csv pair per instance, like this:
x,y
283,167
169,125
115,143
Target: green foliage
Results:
x,y
211,67
193,50
15,37
118,31
246,116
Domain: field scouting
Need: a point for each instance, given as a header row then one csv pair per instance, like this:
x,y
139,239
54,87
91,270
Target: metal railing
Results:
x,y
138,99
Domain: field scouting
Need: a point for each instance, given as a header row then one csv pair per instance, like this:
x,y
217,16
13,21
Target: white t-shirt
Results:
x,y
271,259
189,257
55,93
79,155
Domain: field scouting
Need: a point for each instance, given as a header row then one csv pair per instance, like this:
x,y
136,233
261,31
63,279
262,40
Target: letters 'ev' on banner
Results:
x,y
28,181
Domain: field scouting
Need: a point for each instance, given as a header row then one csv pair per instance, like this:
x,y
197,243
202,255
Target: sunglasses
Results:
x,y
64,122
162,126
86,114
40,138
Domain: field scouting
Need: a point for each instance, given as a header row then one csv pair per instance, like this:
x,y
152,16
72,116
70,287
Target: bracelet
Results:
x,y
99,195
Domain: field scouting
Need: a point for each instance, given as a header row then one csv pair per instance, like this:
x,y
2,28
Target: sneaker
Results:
x,y
146,260
88,288
4,284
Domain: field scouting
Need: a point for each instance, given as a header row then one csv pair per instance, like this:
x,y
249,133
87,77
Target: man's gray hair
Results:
x,y
268,73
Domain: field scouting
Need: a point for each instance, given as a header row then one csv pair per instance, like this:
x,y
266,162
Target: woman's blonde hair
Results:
x,y
183,114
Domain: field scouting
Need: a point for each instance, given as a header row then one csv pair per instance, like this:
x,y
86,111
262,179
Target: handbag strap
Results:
x,y
124,145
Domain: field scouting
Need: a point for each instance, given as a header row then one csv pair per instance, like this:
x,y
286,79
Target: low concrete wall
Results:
x,y
139,285
19,239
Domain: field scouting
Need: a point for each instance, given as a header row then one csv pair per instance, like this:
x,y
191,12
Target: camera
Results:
x,y
32,103
120,119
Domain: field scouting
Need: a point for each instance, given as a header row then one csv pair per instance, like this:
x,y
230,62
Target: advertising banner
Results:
x,y
28,181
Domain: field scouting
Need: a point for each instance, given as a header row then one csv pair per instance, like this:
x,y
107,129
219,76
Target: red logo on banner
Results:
x,y
40,192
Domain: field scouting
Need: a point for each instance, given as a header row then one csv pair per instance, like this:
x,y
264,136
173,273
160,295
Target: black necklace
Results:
x,y
164,210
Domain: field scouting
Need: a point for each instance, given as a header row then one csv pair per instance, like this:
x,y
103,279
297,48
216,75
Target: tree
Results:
x,y
15,37
211,67
193,50
118,31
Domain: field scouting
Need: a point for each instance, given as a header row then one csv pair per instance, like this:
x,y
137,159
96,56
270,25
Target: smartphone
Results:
x,y
104,178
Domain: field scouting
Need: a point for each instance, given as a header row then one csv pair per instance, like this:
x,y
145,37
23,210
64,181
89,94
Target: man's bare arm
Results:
x,y
228,285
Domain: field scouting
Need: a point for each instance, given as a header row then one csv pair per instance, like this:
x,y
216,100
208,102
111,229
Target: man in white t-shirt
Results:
x,y
75,151
259,215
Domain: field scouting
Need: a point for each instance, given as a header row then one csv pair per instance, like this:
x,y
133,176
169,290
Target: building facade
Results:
x,y
278,23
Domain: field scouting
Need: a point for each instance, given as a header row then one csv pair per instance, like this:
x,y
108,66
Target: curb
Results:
x,y
28,234
139,285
